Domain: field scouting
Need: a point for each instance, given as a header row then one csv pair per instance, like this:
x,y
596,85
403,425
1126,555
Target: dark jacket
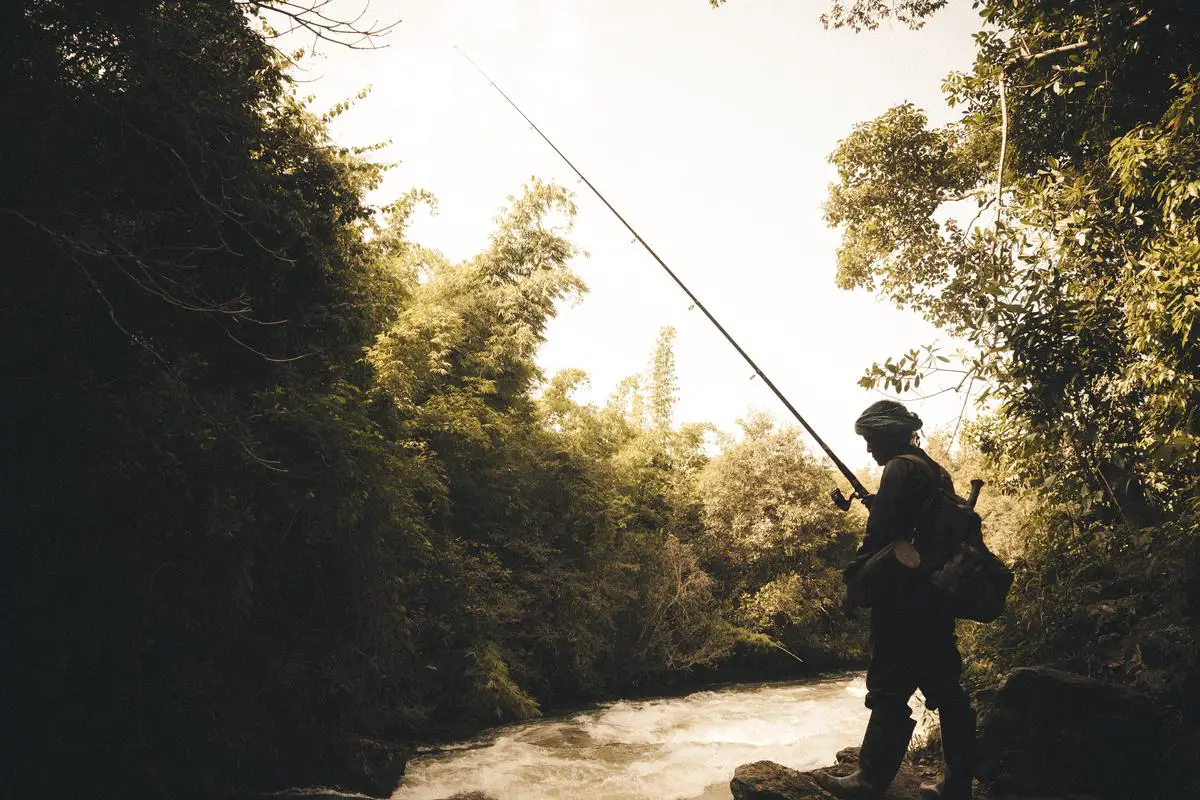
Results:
x,y
903,492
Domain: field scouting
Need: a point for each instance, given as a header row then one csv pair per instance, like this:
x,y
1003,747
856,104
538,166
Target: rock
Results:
x,y
1053,733
352,767
471,796
370,766
766,780
1165,648
1123,587
847,755
1110,616
1157,682
1096,571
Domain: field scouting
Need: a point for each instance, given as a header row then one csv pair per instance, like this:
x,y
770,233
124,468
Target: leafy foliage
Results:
x,y
1075,298
860,15
1076,147
775,543
281,481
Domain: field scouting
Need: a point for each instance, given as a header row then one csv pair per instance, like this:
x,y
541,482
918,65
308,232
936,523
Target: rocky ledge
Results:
x,y
766,780
1044,734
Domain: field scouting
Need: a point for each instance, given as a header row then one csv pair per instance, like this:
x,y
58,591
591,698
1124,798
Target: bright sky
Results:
x,y
708,129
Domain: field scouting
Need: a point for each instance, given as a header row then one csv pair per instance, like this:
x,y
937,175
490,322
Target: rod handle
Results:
x,y
976,486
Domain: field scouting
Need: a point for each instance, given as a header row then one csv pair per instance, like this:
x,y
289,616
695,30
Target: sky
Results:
x,y
708,129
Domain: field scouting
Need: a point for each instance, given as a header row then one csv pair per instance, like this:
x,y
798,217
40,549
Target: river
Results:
x,y
665,749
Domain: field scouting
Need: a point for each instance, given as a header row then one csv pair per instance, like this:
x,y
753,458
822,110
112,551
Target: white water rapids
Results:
x,y
668,749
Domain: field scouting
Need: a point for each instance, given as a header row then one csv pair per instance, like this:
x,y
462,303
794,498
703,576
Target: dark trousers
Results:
x,y
914,649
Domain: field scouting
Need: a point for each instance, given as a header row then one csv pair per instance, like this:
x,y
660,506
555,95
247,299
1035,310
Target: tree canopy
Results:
x,y
1074,280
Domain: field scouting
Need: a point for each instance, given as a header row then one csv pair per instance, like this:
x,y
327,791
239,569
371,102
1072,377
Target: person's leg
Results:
x,y
891,679
941,684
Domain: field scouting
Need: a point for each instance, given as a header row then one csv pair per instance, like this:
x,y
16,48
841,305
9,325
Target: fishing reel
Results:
x,y
840,500
843,503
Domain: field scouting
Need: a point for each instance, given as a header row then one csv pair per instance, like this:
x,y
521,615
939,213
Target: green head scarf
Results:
x,y
886,418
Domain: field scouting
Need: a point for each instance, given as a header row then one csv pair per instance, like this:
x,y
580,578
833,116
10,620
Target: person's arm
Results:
x,y
888,516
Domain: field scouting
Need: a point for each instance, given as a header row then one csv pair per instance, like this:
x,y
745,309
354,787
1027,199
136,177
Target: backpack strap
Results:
x,y
935,488
935,474
925,465
916,459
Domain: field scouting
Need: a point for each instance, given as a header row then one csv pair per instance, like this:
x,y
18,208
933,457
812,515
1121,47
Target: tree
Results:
x,y
197,515
658,598
1076,147
1075,296
772,539
663,383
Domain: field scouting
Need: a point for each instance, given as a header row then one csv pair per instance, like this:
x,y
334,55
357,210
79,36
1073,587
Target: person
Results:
x,y
911,643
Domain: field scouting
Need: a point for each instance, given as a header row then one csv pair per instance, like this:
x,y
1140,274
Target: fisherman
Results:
x,y
912,644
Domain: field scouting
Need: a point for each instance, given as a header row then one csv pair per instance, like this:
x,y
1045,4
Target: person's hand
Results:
x,y
867,500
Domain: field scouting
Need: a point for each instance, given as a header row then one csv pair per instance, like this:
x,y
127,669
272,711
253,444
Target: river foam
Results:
x,y
683,747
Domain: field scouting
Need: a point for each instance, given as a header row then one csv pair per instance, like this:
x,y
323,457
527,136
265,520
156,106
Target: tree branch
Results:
x,y
982,191
347,33
1001,84
1003,151
1070,48
1054,51
961,412
169,369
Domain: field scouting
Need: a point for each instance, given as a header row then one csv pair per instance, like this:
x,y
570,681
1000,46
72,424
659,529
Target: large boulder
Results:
x,y
766,780
1050,732
351,768
370,766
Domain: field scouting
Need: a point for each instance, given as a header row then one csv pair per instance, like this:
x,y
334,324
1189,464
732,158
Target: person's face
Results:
x,y
883,448
873,447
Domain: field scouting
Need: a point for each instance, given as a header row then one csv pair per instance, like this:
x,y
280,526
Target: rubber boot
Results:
x,y
883,749
958,751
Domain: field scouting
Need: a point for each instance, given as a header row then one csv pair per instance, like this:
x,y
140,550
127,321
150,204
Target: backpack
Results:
x,y
949,538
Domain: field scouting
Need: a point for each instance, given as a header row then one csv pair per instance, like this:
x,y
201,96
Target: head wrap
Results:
x,y
886,418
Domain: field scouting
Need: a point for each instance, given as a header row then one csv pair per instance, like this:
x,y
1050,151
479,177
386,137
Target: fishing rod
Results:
x,y
839,499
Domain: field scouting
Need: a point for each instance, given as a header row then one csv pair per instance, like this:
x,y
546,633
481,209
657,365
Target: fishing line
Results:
x,y
860,491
